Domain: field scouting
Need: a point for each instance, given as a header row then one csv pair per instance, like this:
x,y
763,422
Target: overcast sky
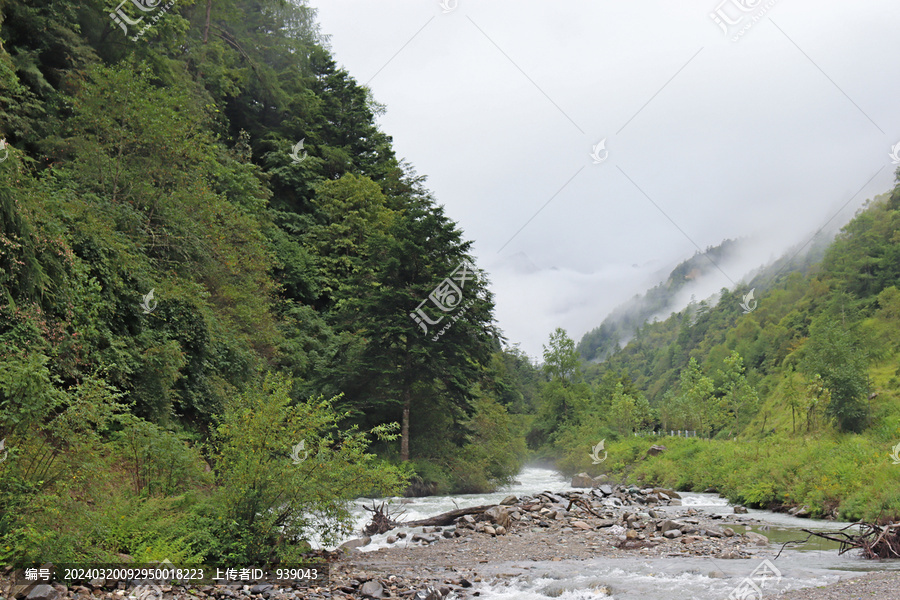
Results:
x,y
765,136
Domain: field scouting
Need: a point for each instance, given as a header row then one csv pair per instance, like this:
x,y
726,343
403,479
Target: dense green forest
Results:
x,y
211,326
211,258
795,401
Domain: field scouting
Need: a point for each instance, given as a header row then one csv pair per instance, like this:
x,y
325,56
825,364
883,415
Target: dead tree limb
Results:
x,y
446,518
873,540
580,503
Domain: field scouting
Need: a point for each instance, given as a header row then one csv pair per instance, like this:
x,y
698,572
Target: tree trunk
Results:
x,y
404,428
446,518
208,12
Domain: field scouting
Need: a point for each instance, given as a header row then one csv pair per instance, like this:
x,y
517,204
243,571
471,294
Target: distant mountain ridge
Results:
x,y
661,300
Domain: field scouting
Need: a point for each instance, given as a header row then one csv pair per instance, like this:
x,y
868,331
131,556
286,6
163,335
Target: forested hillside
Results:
x,y
211,261
794,396
619,327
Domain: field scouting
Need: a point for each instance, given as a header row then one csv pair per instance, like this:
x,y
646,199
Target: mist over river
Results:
x,y
673,577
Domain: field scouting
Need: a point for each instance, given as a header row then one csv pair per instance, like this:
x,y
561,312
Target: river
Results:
x,y
814,563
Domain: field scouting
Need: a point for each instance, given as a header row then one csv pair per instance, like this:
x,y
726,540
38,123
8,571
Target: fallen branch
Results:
x,y
446,518
875,541
580,503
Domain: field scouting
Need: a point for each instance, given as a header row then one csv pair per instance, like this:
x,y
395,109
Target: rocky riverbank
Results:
x,y
435,563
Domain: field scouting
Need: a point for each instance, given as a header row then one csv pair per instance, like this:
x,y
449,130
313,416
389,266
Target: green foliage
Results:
x,y
561,359
833,355
266,499
493,453
802,364
159,462
164,165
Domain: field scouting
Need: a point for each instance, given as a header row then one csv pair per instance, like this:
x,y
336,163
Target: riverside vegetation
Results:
x,y
281,314
798,399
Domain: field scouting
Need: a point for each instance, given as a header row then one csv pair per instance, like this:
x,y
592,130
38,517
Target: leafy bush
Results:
x,y
287,472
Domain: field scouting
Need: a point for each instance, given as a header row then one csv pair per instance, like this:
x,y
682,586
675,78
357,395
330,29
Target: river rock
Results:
x,y
757,538
582,480
740,510
728,531
606,490
489,530
672,534
498,515
372,589
669,525
715,532
509,501
600,479
43,592
553,497
391,539
358,542
580,525
667,492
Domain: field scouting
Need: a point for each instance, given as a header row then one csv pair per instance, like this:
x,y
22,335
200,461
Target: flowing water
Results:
x,y
813,563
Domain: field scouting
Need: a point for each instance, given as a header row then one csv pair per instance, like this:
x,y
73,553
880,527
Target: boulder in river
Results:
x,y
358,542
509,501
740,510
582,480
667,492
757,538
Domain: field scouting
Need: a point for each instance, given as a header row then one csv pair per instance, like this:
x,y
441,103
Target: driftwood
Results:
x,y
580,503
875,541
447,518
382,520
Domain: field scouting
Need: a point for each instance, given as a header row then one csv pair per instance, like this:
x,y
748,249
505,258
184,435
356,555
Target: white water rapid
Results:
x,y
641,578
